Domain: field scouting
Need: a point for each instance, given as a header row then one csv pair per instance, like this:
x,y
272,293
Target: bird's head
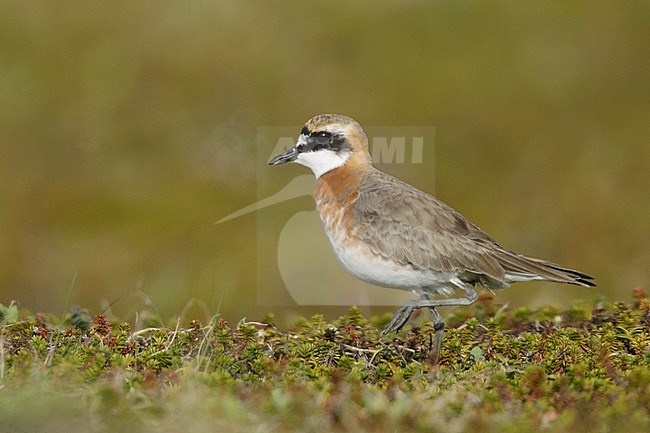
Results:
x,y
327,142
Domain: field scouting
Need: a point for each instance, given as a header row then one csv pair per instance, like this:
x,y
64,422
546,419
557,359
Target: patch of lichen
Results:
x,y
499,369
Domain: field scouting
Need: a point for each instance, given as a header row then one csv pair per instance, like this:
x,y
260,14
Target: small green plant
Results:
x,y
582,369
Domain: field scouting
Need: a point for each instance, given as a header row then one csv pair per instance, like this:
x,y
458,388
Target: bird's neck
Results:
x,y
340,186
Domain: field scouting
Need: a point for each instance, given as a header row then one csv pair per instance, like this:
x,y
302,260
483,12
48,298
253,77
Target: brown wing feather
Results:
x,y
411,227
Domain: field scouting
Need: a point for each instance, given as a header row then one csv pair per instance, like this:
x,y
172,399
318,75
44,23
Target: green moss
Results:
x,y
499,370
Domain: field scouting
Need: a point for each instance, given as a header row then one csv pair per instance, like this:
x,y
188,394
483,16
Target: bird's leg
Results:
x,y
438,330
402,315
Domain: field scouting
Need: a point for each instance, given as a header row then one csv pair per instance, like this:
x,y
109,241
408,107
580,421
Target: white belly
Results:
x,y
361,262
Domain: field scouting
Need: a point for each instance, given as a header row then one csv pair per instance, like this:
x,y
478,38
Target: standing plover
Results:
x,y
390,234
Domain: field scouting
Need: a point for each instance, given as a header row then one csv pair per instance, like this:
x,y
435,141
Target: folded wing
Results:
x,y
413,228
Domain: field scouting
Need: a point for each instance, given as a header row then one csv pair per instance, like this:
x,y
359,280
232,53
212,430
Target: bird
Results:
x,y
391,234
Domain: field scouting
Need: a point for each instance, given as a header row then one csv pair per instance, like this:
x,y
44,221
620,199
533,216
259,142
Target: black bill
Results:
x,y
284,157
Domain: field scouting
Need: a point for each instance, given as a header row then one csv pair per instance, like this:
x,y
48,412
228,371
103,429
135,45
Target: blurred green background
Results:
x,y
127,129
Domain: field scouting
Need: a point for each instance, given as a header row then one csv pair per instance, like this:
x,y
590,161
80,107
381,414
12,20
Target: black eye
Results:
x,y
321,134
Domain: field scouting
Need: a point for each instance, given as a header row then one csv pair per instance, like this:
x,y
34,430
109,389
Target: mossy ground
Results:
x,y
584,369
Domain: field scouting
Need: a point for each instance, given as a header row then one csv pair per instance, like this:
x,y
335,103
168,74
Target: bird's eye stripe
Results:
x,y
307,133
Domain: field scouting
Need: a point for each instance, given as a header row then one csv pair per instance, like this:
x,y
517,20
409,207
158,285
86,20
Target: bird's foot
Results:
x,y
400,318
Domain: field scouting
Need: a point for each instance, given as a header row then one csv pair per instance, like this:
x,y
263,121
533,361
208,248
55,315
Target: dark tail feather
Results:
x,y
580,278
528,266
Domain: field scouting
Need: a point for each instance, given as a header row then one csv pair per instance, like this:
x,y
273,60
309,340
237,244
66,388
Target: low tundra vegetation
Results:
x,y
586,368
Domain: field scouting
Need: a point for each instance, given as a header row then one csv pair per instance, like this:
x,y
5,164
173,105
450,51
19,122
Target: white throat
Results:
x,y
322,160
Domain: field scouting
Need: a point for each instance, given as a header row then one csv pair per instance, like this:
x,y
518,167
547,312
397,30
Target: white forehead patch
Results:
x,y
302,140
